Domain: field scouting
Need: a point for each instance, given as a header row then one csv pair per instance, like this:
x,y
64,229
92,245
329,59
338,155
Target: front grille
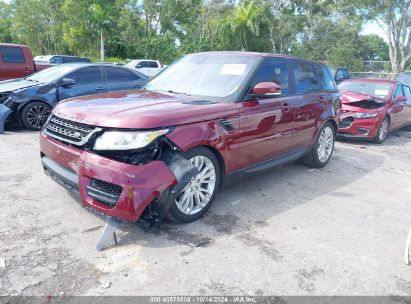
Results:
x,y
346,122
104,192
68,131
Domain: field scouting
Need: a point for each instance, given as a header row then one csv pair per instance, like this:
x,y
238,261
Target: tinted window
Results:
x,y
276,71
56,60
12,54
143,64
119,75
153,64
305,78
325,78
86,75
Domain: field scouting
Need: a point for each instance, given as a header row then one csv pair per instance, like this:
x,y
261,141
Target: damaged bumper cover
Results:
x,y
4,113
111,187
351,127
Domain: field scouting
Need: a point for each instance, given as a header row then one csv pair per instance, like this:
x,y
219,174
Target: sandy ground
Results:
x,y
293,231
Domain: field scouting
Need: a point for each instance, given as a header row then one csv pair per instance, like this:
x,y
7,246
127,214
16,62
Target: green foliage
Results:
x,y
324,30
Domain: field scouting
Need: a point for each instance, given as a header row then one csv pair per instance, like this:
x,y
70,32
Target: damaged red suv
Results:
x,y
208,119
371,108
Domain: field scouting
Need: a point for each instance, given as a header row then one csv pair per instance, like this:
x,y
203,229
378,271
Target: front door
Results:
x,y
266,124
89,80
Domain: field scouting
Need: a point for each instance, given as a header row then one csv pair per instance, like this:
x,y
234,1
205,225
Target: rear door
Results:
x,y
399,115
89,80
267,123
118,78
13,63
407,94
307,103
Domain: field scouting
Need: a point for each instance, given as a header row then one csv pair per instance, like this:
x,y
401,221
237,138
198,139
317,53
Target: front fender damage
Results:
x,y
183,171
4,113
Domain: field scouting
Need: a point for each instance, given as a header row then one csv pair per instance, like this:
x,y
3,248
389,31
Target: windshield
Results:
x,y
51,74
376,89
217,77
405,78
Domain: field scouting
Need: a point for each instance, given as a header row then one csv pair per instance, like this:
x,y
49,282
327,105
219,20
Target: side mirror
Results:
x,y
401,98
65,82
266,89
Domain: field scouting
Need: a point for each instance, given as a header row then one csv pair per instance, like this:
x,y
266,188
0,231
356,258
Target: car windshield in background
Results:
x,y
51,74
214,77
376,89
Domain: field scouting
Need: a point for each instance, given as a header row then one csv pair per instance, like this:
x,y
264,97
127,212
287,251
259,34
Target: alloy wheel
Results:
x,y
196,195
325,144
382,133
37,116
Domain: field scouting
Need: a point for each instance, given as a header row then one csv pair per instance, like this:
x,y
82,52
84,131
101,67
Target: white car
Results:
x,y
148,67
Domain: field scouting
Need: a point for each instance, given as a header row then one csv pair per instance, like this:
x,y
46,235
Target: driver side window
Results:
x,y
87,75
274,70
398,92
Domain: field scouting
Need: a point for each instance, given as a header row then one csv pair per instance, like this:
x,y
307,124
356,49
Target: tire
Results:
x,y
194,191
35,114
382,131
320,153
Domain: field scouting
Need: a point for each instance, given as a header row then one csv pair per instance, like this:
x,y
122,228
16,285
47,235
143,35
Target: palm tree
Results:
x,y
243,21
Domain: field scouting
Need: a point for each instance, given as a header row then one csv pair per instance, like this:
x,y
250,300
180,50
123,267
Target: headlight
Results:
x,y
365,115
126,140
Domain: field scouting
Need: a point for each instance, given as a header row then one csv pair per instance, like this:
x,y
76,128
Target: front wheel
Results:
x,y
323,148
382,131
35,114
197,197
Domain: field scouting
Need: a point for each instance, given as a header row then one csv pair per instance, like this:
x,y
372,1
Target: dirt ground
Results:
x,y
293,231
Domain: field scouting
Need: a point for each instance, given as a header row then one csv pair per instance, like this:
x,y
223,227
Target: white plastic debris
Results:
x,y
2,263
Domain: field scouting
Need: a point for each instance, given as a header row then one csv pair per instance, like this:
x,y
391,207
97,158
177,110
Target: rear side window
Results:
x,y
305,78
274,70
143,64
12,54
153,64
87,75
119,75
325,78
56,60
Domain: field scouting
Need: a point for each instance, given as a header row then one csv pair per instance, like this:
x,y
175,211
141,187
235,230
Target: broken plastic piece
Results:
x,y
4,113
407,249
109,231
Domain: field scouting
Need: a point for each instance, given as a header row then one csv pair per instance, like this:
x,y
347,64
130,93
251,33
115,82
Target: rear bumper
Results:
x,y
360,128
79,170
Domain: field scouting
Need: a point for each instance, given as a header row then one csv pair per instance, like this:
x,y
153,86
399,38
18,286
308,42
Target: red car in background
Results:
x,y
371,108
16,61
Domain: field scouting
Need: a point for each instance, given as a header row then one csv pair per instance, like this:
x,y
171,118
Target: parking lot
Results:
x,y
340,230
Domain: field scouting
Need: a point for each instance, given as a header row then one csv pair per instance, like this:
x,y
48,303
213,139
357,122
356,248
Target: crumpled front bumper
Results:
x,y
4,113
359,128
76,169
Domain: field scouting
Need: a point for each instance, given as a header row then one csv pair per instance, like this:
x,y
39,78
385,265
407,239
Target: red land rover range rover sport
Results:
x,y
206,120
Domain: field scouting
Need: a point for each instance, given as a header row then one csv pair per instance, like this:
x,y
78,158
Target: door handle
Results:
x,y
99,88
136,86
285,108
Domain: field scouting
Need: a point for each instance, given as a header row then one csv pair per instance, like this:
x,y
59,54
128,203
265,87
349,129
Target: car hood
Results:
x,y
15,84
140,110
348,97
358,102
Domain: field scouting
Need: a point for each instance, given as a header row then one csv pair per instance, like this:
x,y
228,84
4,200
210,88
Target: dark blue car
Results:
x,y
30,100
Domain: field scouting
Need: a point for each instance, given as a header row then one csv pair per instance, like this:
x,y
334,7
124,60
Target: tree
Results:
x,y
394,17
6,19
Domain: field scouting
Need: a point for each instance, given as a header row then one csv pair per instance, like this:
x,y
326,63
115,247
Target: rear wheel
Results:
x,y
35,114
197,197
323,148
382,131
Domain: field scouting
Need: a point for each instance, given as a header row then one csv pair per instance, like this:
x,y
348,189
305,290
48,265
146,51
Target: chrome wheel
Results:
x,y
325,144
382,133
37,116
196,195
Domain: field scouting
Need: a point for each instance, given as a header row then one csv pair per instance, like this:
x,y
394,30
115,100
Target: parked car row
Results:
x,y
205,121
29,100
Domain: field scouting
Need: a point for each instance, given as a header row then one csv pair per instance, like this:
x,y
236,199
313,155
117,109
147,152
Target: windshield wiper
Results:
x,y
174,92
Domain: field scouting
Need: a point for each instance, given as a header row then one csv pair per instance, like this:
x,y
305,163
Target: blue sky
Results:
x,y
373,28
